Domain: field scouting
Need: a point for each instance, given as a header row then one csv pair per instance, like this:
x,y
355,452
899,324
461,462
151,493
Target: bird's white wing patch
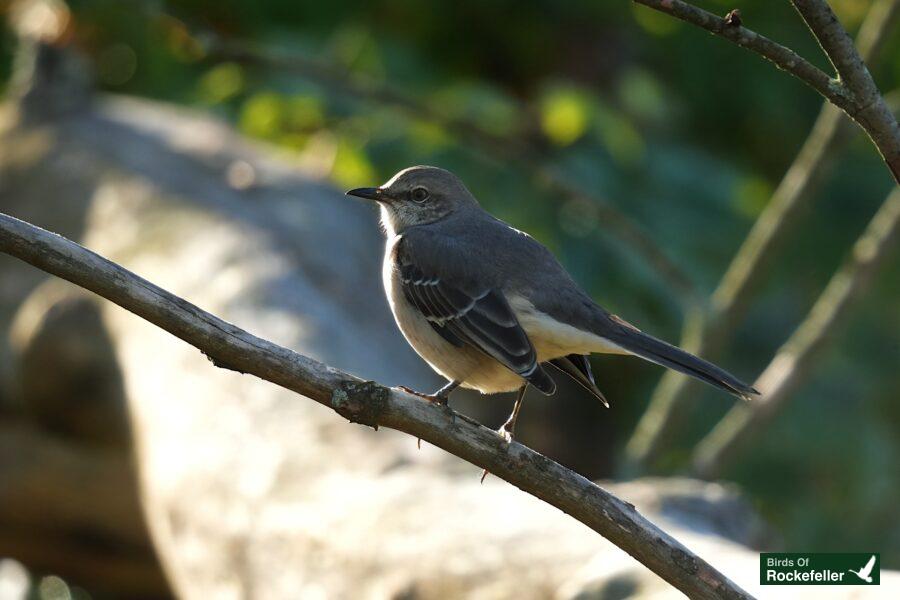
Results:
x,y
552,338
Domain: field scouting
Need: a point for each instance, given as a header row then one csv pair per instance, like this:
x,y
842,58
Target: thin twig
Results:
x,y
672,401
796,357
372,404
854,92
782,57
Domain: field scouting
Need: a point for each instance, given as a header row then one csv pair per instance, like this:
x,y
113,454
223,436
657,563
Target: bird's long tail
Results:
x,y
655,350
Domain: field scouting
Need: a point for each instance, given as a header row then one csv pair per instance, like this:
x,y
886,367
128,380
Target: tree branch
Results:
x,y
371,404
782,57
867,106
670,404
795,358
838,47
706,334
854,92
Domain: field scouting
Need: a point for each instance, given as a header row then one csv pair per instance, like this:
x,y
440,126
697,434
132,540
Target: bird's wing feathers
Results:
x,y
484,255
466,312
630,338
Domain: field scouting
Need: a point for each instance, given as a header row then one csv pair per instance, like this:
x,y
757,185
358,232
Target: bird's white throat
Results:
x,y
387,222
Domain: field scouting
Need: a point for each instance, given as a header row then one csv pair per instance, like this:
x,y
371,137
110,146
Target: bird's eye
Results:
x,y
419,194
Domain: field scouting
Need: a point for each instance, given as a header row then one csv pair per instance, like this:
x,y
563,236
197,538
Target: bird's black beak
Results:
x,y
368,193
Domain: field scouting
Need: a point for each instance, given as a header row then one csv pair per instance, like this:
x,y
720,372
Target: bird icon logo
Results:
x,y
866,572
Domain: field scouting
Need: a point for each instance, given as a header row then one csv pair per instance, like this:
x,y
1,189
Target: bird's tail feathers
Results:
x,y
655,350
578,368
541,380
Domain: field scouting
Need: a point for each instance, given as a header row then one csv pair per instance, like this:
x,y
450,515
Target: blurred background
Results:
x,y
639,149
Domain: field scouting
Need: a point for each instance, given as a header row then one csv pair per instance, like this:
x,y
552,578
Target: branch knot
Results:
x,y
733,18
360,401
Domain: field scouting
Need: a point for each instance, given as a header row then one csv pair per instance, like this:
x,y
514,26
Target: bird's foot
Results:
x,y
508,430
506,433
436,398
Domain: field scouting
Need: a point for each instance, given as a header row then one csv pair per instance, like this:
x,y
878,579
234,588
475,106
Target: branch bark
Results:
x,y
371,404
706,334
838,47
782,57
854,91
867,106
796,357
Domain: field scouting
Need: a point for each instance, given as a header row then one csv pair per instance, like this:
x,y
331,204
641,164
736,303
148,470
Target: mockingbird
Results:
x,y
490,308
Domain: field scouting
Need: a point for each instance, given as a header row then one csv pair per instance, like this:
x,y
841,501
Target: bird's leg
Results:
x,y
508,429
442,396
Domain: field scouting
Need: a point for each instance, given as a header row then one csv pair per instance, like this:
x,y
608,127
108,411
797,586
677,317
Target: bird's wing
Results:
x,y
526,267
467,312
868,568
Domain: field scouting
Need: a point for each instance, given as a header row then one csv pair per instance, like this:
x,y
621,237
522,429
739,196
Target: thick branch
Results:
x,y
782,57
867,107
372,404
707,334
839,48
796,357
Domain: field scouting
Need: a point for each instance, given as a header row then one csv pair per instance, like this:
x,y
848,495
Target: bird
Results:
x,y
866,572
490,308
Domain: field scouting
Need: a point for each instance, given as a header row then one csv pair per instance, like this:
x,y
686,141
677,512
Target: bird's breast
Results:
x,y
467,365
445,358
388,268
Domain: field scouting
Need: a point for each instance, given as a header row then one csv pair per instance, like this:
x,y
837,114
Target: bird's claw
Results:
x,y
435,398
506,434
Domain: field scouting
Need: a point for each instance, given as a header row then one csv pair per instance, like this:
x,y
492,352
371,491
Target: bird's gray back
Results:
x,y
477,248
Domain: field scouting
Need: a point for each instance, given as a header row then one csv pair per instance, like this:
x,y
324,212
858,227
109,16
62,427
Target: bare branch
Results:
x,y
855,92
706,334
371,404
867,107
782,57
873,31
670,404
838,47
795,359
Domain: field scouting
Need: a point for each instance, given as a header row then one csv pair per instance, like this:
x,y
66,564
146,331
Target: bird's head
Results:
x,y
418,195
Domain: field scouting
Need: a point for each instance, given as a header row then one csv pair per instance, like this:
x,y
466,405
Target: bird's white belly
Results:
x,y
474,369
